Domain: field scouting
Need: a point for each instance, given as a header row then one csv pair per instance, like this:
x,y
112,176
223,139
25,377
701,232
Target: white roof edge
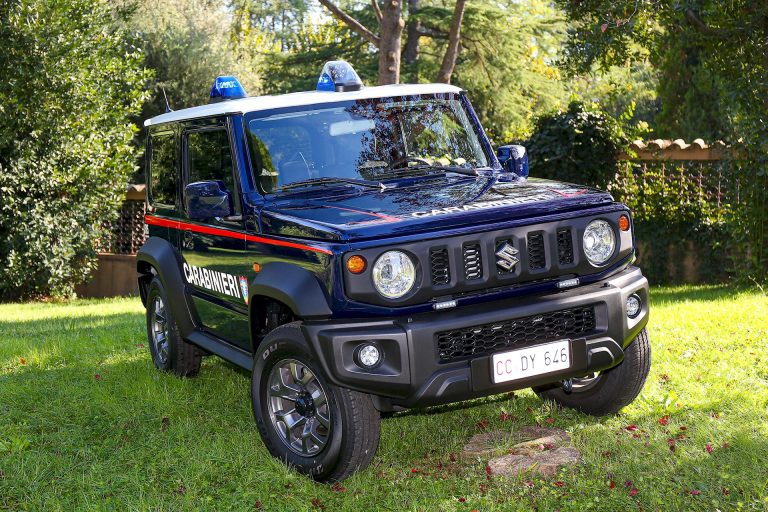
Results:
x,y
258,103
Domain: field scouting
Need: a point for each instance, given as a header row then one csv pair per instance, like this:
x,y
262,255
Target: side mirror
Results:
x,y
514,159
207,199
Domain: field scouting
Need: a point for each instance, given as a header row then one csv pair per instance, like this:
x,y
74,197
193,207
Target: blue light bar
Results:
x,y
338,76
226,88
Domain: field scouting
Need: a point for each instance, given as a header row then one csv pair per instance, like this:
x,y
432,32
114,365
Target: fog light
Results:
x,y
633,306
368,356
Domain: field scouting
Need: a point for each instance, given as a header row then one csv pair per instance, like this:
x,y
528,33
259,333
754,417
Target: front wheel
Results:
x,y
323,430
608,391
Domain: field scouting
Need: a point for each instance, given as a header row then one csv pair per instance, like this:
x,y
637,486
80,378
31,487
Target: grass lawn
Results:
x,y
86,422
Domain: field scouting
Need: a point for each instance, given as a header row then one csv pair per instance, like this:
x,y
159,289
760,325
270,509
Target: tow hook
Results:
x,y
567,386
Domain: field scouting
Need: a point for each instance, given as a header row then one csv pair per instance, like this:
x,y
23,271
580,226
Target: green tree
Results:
x,y
187,43
713,58
69,86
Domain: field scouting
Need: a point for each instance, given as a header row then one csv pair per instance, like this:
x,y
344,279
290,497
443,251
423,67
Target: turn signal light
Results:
x,y
624,223
356,264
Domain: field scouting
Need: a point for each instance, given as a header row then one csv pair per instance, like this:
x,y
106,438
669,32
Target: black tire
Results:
x,y
612,389
352,437
177,356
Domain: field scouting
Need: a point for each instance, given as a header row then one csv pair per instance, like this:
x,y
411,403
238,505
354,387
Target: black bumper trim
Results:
x,y
411,374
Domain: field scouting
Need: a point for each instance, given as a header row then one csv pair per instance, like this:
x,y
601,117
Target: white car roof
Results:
x,y
257,103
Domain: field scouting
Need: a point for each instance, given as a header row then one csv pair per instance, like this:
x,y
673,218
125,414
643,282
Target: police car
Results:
x,y
364,250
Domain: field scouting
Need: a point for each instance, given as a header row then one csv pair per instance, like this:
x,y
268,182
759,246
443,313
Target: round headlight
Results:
x,y
394,274
599,242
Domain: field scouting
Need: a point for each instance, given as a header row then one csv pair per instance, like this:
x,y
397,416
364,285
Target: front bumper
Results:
x,y
412,373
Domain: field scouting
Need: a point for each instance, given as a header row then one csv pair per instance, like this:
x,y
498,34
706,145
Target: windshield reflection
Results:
x,y
374,140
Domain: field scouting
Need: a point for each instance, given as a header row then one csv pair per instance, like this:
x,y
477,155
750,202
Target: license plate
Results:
x,y
528,362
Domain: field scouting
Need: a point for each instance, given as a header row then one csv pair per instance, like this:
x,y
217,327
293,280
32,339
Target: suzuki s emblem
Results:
x,y
506,256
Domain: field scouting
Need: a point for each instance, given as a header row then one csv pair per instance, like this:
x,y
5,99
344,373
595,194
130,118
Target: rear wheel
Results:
x,y
169,352
323,430
609,391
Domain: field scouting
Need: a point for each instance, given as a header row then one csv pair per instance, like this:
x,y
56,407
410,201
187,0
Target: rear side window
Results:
x,y
210,157
162,169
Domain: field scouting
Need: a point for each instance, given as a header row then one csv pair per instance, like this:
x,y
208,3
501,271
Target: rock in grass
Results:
x,y
536,450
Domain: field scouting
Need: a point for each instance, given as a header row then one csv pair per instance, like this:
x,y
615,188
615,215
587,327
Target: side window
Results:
x,y
163,170
210,157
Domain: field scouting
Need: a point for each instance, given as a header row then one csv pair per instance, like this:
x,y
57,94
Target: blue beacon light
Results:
x,y
227,88
338,76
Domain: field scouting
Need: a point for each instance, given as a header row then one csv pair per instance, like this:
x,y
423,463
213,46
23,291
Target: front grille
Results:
x,y
439,266
564,246
489,338
473,264
536,255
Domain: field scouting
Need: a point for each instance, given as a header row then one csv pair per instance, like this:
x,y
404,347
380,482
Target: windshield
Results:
x,y
374,139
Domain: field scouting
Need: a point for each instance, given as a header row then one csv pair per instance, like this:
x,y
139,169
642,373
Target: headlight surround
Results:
x,y
394,274
599,242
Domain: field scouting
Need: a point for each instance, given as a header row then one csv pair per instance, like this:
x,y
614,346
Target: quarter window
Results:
x,y
163,169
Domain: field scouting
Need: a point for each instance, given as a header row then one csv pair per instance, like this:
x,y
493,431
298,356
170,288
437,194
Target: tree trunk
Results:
x,y
411,53
452,51
389,42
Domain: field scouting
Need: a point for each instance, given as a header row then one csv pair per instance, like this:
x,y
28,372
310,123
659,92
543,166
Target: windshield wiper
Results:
x,y
332,181
447,168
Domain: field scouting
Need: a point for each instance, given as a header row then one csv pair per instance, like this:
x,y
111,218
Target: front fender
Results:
x,y
294,286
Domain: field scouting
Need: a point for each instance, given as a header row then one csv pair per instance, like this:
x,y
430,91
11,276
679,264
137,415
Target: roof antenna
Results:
x,y
167,105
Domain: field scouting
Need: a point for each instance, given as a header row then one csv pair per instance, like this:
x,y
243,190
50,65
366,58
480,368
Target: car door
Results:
x,y
213,249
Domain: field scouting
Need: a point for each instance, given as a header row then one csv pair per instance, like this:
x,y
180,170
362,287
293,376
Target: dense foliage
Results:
x,y
578,145
69,89
712,58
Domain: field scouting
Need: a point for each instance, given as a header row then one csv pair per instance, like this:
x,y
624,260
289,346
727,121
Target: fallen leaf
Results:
x,y
452,457
483,424
611,484
549,446
695,492
529,484
22,361
414,470
709,447
633,492
603,27
97,376
683,427
559,484
257,505
462,500
164,423
488,472
628,483
337,487
664,420
726,445
631,428
182,489
550,420
725,491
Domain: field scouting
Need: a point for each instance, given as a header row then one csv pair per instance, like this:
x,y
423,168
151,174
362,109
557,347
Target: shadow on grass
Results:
x,y
697,293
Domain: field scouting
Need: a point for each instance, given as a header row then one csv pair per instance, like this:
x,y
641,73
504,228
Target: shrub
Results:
x,y
577,145
69,86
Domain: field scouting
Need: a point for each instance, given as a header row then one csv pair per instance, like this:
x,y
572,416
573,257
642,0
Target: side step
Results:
x,y
221,348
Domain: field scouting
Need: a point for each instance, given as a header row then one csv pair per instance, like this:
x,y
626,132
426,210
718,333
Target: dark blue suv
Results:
x,y
364,250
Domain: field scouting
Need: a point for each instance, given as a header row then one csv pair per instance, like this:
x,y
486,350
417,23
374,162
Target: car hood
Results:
x,y
420,206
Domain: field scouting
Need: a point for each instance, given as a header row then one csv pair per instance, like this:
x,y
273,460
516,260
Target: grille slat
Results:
x,y
536,254
440,269
564,246
473,264
468,342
